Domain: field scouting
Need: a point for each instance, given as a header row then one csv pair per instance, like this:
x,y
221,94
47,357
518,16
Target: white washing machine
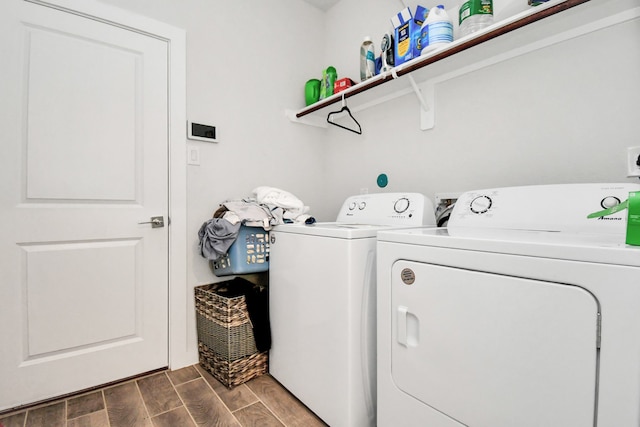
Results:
x,y
322,302
522,312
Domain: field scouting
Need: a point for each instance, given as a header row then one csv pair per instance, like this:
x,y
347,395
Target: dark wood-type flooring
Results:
x,y
188,397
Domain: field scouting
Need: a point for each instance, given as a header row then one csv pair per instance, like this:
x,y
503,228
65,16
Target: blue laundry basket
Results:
x,y
248,254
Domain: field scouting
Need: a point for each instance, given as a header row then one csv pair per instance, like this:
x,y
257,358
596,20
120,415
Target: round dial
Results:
x,y
609,202
401,205
481,204
352,206
362,205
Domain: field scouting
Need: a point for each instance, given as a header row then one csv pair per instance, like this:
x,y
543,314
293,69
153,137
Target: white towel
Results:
x,y
293,206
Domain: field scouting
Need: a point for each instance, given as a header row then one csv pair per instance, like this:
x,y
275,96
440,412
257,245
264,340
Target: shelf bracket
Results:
x,y
427,116
308,120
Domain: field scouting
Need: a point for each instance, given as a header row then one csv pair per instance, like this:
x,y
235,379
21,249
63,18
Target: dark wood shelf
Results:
x,y
418,65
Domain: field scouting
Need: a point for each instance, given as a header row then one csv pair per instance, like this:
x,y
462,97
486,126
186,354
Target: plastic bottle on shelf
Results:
x,y
367,60
436,30
329,77
474,15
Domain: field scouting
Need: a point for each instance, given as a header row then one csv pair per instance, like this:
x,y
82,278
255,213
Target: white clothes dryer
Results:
x,y
322,302
522,312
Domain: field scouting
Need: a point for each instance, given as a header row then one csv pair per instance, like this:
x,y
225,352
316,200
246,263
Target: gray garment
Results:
x,y
216,236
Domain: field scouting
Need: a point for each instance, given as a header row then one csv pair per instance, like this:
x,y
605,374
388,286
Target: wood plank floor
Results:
x,y
187,397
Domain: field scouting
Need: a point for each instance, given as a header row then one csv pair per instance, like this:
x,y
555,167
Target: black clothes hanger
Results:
x,y
344,108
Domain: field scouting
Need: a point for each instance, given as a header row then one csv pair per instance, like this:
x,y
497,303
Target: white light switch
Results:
x,y
193,156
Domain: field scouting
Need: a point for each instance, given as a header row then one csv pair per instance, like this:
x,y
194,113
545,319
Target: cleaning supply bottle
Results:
x,y
437,30
474,15
367,60
329,77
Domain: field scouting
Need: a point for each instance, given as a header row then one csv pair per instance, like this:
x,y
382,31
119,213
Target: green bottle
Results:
x,y
329,76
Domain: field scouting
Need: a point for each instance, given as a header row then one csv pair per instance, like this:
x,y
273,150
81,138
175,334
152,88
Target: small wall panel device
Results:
x,y
201,132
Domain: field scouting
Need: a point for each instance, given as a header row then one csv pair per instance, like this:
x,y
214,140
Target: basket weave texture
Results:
x,y
226,344
232,374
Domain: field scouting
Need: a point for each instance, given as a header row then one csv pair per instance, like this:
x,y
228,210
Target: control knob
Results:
x,y
609,202
401,205
481,204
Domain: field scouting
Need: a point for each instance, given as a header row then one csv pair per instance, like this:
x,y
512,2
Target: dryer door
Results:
x,y
495,351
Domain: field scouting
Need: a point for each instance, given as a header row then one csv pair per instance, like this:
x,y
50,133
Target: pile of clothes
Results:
x,y
268,207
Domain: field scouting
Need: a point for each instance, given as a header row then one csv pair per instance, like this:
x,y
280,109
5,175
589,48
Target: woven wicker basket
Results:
x,y
233,373
226,344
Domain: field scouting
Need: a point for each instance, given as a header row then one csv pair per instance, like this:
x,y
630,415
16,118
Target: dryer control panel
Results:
x,y
410,209
563,207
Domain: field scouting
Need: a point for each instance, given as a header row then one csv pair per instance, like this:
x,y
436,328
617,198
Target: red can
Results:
x,y
342,84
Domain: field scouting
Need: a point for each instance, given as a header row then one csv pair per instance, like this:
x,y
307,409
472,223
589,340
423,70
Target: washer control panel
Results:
x,y
563,207
411,209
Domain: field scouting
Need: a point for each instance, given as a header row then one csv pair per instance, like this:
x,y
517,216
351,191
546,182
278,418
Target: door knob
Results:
x,y
156,222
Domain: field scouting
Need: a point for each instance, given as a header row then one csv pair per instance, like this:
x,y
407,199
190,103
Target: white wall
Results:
x,y
247,61
563,114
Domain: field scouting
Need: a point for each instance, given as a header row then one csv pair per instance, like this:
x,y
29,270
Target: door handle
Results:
x,y
408,332
156,222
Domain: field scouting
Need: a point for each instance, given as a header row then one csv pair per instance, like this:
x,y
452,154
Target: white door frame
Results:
x,y
180,354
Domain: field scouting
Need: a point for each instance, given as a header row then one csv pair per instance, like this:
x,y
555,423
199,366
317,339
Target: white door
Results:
x,y
490,350
83,132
